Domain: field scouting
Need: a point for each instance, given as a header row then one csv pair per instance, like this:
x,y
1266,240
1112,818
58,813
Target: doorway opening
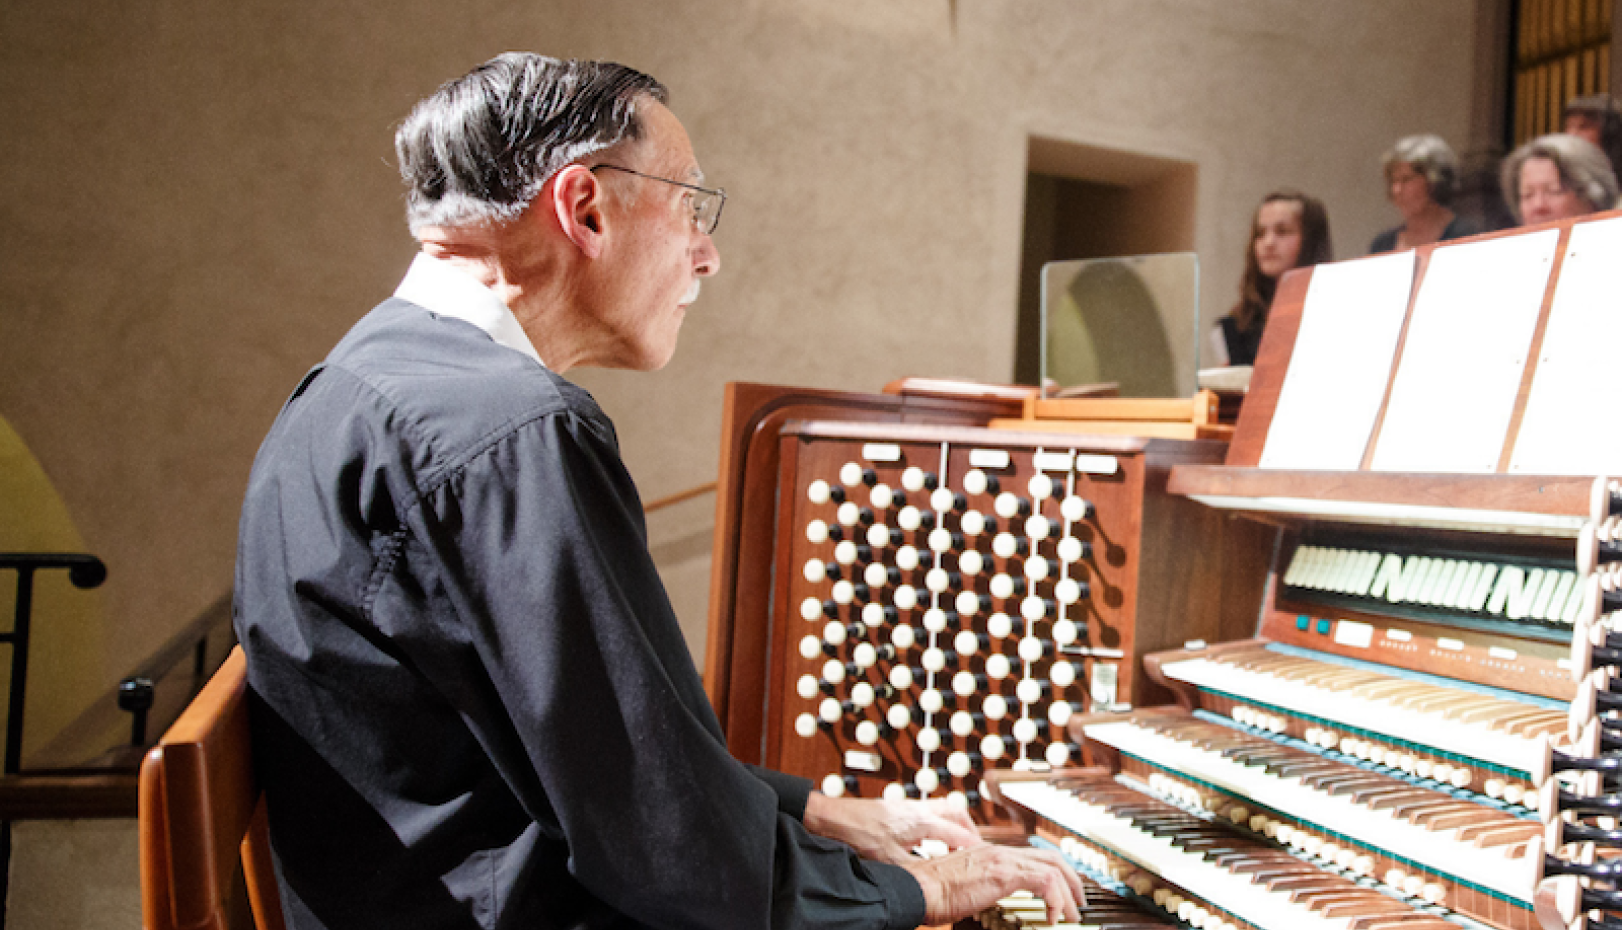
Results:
x,y
1085,201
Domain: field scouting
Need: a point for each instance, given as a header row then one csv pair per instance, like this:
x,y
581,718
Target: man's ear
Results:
x,y
577,202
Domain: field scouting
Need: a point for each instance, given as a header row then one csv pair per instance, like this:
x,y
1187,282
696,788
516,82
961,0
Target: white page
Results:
x,y
1559,434
1340,365
1467,346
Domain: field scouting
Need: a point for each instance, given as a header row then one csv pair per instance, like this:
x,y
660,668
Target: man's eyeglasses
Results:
x,y
707,203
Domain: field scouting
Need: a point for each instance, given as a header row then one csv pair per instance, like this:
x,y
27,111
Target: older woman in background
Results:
x,y
1421,175
1289,230
1557,176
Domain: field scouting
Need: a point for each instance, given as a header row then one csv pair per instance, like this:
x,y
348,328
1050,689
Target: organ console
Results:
x,y
1384,695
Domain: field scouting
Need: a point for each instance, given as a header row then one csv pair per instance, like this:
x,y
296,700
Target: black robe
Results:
x,y
473,706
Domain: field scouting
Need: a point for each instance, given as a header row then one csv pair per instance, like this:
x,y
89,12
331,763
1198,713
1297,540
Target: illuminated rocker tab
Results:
x,y
1435,586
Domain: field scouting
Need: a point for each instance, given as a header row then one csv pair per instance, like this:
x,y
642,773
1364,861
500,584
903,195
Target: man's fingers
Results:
x,y
954,834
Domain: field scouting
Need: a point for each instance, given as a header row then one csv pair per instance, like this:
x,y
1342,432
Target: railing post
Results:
x,y
18,637
85,571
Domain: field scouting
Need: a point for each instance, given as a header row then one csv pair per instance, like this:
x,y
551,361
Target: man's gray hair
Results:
x,y
482,146
1584,170
1431,157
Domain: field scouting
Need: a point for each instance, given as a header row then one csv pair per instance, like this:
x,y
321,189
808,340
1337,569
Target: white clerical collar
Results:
x,y
441,287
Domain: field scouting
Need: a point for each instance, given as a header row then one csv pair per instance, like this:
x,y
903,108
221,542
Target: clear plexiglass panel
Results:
x,y
1131,321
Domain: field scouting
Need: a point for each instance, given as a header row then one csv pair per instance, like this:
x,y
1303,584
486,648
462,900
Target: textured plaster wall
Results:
x,y
196,200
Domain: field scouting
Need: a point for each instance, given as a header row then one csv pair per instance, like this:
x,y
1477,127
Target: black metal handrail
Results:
x,y
85,571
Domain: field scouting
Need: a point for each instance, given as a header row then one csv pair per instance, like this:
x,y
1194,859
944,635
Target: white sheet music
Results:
x,y
1559,433
1341,363
1466,349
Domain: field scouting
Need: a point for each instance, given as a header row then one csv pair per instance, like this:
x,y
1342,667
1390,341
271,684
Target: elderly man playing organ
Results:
x,y
473,705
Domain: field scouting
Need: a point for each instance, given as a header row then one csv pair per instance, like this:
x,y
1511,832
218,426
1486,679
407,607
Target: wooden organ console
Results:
x,y
1393,675
1382,753
905,598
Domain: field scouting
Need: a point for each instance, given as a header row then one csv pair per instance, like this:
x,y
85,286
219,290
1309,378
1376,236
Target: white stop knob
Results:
x,y
1041,487
975,481
901,679
881,497
992,747
902,637
862,695
926,780
998,625
867,733
805,725
1030,649
1029,691
816,531
995,707
811,608
1059,713
929,739
830,711
1062,674
963,684
1065,632
967,643
1069,550
1025,730
864,655
818,492
810,647
971,562
998,666
815,572
913,478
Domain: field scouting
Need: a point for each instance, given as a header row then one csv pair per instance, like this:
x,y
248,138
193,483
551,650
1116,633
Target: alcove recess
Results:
x,y
1089,201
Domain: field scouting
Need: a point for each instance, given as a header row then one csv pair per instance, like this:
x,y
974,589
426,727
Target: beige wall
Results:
x,y
197,202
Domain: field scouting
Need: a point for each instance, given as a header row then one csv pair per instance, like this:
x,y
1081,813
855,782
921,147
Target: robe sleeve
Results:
x,y
571,670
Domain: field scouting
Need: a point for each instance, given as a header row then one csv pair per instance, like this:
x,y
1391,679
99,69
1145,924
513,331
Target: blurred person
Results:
x,y
1555,177
1597,118
1289,230
1421,177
